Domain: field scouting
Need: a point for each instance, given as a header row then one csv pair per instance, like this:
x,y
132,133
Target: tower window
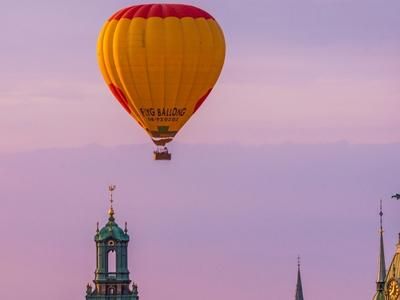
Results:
x,y
112,261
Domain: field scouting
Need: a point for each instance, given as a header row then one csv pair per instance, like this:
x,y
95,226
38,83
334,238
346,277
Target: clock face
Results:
x,y
393,290
111,243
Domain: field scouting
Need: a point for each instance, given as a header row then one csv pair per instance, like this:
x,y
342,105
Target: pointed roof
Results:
x,y
111,230
380,281
382,263
299,286
393,272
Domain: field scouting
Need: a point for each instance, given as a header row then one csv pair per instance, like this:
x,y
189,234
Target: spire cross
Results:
x,y
298,261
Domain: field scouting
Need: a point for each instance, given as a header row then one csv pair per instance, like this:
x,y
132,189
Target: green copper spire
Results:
x,y
112,277
380,282
299,286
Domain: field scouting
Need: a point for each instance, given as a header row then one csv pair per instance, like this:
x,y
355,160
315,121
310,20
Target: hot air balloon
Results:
x,y
161,61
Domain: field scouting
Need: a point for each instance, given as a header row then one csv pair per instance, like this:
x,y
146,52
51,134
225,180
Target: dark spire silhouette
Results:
x,y
299,286
380,281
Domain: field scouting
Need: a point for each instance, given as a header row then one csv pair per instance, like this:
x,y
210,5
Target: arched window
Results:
x,y
112,261
111,291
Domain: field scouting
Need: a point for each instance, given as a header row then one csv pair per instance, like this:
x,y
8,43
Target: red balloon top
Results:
x,y
160,10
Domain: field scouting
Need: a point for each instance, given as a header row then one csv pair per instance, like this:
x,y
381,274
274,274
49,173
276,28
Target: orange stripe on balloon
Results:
x,y
161,10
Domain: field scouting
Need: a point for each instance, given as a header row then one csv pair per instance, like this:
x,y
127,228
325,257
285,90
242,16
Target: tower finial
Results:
x,y
111,213
381,217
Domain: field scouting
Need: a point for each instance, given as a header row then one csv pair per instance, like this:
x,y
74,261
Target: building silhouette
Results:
x,y
299,286
380,281
388,282
112,280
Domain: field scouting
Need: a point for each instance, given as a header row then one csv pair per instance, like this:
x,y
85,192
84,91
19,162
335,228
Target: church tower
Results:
x,y
392,287
299,286
112,275
380,282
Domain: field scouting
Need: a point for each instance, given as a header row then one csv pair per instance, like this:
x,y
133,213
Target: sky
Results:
x,y
289,155
217,222
309,71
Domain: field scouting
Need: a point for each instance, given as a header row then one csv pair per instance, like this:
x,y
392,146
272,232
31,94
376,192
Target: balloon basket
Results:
x,y
162,154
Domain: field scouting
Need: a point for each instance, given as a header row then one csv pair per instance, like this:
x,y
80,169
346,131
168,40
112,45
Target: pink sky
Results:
x,y
321,72
223,222
309,72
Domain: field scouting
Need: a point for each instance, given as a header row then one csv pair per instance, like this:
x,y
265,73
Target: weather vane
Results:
x,y
111,188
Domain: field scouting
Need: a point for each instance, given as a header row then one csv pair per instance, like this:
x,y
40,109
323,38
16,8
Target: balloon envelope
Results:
x,y
161,61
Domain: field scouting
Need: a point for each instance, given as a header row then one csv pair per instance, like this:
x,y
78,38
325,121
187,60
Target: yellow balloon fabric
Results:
x,y
161,61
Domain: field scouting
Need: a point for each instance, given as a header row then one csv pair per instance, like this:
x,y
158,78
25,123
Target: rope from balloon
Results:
x,y
161,141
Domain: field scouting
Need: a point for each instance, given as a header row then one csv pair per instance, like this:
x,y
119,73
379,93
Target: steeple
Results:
x,y
380,282
299,286
112,277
